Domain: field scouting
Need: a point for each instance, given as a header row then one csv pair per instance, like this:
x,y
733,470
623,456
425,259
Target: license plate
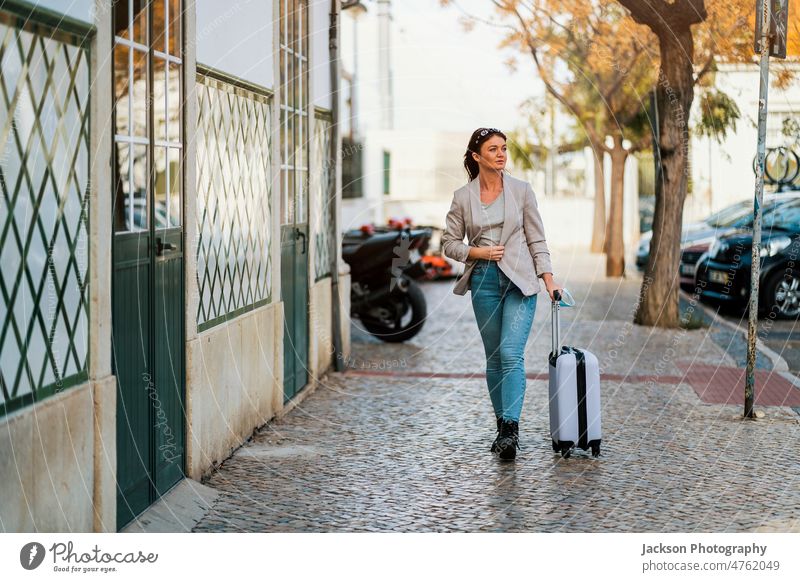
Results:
x,y
717,276
687,269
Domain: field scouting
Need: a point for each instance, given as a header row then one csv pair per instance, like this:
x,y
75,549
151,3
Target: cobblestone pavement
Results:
x,y
400,442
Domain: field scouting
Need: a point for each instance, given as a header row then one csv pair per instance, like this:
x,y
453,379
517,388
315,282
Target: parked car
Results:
x,y
647,205
723,272
692,252
738,215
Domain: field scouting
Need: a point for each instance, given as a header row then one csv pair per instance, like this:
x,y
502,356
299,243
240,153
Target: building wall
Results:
x,y
237,37
235,358
58,455
82,10
722,173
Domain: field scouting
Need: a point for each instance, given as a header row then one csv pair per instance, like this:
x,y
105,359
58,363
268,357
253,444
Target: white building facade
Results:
x,y
168,247
722,173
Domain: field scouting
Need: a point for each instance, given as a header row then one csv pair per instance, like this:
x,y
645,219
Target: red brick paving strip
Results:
x,y
712,384
725,385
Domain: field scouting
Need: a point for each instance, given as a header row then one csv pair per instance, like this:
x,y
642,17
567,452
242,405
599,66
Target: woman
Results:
x,y
505,256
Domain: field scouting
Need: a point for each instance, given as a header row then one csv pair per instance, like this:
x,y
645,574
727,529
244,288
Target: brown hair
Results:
x,y
479,136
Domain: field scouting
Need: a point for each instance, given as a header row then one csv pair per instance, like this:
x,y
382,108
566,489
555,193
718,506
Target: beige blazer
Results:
x,y
525,257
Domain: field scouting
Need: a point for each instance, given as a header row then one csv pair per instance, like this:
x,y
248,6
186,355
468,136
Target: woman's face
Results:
x,y
492,154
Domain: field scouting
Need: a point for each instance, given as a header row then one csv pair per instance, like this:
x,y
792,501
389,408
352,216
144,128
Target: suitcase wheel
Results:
x,y
566,451
595,450
555,445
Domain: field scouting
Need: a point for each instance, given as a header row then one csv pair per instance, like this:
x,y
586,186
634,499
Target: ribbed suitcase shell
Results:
x,y
574,390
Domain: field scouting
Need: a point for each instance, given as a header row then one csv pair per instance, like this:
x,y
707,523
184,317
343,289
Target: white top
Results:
x,y
492,216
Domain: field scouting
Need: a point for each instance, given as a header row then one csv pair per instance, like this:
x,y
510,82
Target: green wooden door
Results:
x,y
294,148
148,303
294,294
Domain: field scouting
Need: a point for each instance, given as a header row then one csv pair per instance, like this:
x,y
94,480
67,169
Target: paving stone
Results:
x,y
398,452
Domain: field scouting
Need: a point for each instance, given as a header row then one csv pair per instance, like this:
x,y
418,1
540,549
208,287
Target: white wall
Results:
x,y
236,37
320,57
426,168
723,173
79,9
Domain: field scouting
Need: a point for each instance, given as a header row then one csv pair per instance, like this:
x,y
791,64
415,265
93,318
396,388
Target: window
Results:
x,y
387,165
147,112
294,110
45,163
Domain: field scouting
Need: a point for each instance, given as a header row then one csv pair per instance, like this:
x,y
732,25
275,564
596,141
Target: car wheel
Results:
x,y
782,294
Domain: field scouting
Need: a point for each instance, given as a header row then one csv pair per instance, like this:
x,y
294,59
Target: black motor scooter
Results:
x,y
384,261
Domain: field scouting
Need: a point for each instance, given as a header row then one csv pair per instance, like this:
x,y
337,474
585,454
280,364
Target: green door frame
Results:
x,y
294,231
148,296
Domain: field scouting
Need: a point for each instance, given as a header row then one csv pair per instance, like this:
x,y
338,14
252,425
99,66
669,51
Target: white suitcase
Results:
x,y
574,395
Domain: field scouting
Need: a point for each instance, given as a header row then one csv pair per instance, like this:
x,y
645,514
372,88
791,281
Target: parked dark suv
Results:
x,y
723,272
731,219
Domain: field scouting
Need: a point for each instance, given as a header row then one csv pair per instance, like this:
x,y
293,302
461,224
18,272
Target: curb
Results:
x,y
778,362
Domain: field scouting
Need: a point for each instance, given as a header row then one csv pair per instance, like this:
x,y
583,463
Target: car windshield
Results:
x,y
785,216
770,212
730,214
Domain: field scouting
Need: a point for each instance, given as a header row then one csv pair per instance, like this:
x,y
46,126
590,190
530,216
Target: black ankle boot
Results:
x,y
497,437
508,440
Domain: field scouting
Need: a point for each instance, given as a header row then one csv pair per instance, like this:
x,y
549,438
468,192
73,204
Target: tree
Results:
x,y
693,35
595,61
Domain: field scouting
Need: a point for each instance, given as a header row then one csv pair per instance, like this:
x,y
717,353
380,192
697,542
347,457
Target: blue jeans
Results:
x,y
504,317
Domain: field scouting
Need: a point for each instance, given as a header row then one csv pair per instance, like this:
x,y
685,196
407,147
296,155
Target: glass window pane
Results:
x,y
175,197
291,197
140,177
175,27
291,139
302,196
301,84
292,23
140,21
283,75
299,160
292,82
301,26
159,98
159,20
122,203
174,103
160,186
283,197
122,89
305,28
283,134
121,18
139,93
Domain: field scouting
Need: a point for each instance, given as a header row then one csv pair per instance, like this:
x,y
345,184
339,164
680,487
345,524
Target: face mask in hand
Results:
x,y
566,299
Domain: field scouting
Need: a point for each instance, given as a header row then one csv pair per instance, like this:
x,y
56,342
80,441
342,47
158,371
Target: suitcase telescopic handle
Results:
x,y
554,322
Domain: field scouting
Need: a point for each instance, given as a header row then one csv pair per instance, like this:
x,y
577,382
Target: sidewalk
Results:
x,y
401,440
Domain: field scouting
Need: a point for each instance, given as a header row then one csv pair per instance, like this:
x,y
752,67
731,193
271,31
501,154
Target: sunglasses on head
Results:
x,y
484,131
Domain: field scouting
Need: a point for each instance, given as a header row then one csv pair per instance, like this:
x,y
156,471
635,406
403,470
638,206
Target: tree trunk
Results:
x,y
599,227
658,305
615,257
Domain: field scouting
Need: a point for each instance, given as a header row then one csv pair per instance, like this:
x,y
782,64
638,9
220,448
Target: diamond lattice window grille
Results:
x,y
44,179
234,271
322,171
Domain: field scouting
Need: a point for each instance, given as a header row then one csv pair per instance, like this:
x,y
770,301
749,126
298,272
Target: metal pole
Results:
x,y
354,89
755,268
331,168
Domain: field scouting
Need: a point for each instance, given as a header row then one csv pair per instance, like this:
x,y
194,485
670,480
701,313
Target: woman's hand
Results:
x,y
550,285
492,253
